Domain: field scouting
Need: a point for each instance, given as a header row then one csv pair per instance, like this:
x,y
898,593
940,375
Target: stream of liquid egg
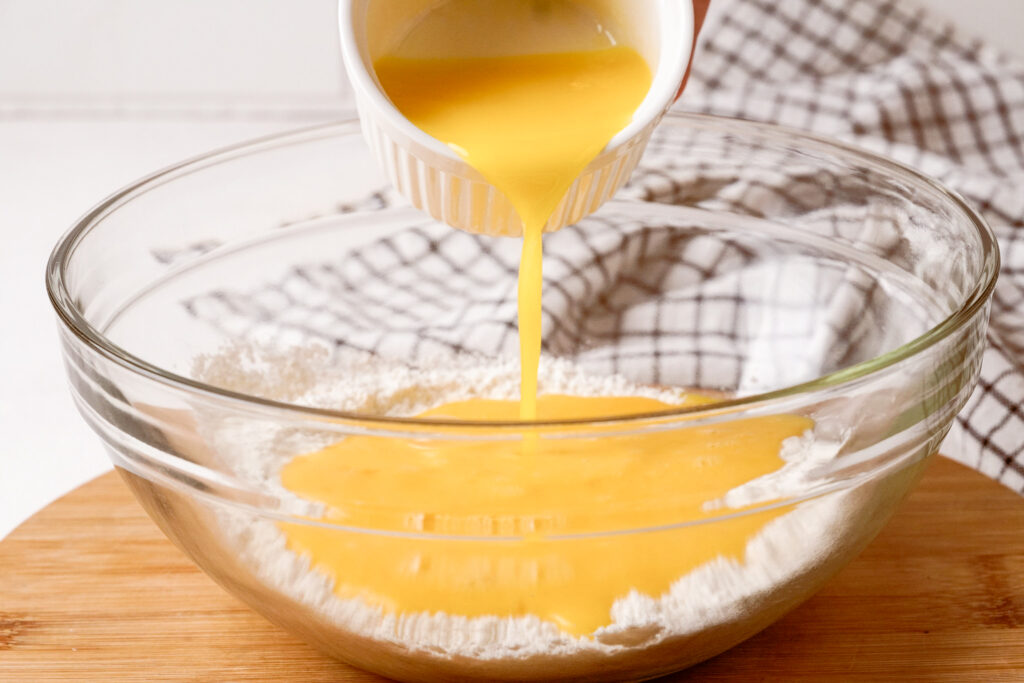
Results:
x,y
530,124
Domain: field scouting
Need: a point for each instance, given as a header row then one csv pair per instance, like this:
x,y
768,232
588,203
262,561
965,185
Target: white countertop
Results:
x,y
89,110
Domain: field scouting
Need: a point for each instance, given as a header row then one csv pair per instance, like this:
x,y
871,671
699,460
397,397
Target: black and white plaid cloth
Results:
x,y
890,76
883,74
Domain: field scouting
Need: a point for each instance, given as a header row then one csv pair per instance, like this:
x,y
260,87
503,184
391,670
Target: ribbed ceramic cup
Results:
x,y
433,178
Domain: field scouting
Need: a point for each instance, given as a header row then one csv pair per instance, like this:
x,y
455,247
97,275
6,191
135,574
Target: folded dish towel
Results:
x,y
882,74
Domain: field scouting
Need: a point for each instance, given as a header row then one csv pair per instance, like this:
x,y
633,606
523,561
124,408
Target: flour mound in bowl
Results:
x,y
721,596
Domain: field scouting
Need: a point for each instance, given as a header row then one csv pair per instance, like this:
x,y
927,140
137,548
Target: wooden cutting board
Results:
x,y
91,591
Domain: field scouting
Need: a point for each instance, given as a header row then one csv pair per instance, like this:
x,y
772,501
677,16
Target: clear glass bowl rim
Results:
x,y
72,318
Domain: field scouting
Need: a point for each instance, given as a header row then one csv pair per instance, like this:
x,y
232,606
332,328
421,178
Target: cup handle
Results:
x,y
700,11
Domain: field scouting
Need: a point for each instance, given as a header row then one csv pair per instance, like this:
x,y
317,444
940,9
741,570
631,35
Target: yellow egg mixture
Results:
x,y
530,124
564,486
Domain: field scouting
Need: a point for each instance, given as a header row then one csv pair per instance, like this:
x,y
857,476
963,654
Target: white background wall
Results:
x,y
169,48
269,54
95,93
1001,22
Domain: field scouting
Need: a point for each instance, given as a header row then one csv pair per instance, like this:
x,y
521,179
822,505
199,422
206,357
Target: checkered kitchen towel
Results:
x,y
883,74
891,77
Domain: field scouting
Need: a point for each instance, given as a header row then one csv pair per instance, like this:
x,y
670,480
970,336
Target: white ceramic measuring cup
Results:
x,y
438,181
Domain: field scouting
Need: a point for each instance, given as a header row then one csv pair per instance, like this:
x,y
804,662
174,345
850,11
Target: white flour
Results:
x,y
720,592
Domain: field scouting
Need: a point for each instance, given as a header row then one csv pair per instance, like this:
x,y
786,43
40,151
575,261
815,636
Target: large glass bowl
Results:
x,y
782,273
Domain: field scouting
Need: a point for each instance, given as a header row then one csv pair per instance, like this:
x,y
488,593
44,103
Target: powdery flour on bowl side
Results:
x,y
717,593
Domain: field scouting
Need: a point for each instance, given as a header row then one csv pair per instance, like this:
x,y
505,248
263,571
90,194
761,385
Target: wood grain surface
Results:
x,y
91,591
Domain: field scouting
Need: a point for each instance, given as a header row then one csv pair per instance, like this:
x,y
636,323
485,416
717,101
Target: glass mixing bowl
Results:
x,y
258,303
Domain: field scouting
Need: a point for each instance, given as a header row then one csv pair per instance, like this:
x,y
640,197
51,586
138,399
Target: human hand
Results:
x,y
700,11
